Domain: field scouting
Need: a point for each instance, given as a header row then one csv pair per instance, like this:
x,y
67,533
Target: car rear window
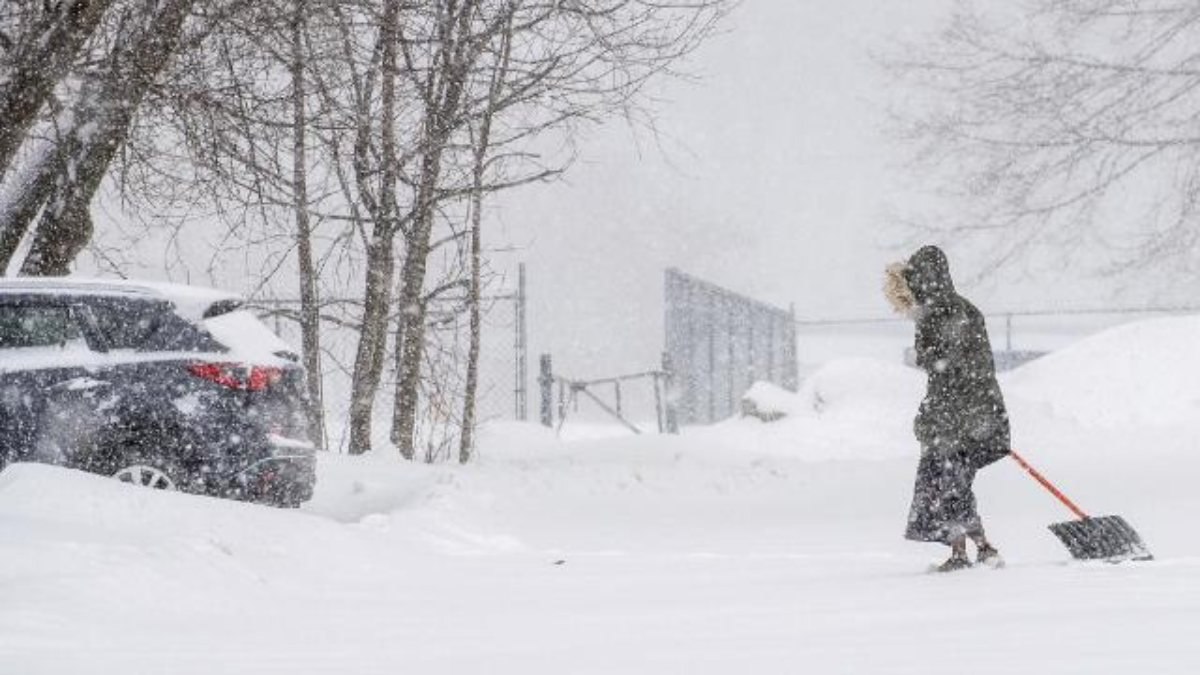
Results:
x,y
23,326
180,335
127,327
149,326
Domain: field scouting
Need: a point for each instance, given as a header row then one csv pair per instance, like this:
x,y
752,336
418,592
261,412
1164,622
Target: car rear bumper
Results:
x,y
284,478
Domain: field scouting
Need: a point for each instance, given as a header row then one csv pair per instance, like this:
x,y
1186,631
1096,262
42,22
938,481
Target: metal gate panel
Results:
x,y
718,343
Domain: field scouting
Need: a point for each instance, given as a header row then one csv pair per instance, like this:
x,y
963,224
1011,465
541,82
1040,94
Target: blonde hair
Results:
x,y
896,290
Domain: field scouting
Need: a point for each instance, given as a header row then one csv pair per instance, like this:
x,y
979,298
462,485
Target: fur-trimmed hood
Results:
x,y
896,290
928,276
922,280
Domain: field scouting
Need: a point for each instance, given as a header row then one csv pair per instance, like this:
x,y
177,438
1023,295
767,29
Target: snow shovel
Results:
x,y
1102,538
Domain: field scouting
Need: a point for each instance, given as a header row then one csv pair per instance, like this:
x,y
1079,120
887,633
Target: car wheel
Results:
x,y
146,475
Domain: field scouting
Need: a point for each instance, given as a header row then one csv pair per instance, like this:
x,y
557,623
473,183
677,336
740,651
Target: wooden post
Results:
x,y
710,376
562,402
658,403
791,376
771,328
672,415
731,358
751,352
546,381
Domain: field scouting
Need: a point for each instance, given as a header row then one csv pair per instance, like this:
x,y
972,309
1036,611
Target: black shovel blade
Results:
x,y
1102,538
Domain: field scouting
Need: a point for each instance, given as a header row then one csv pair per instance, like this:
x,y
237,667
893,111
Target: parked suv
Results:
x,y
161,385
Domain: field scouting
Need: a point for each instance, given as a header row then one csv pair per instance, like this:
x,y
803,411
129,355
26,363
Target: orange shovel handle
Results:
x,y
1048,485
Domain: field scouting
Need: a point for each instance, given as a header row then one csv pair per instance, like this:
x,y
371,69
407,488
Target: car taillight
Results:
x,y
224,374
237,376
263,378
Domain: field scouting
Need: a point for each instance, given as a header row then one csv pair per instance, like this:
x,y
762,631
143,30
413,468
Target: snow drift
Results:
x,y
848,409
1138,374
745,547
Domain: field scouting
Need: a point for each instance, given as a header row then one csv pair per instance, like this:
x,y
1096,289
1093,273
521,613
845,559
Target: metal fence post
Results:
x,y
522,348
669,394
658,402
546,381
791,376
730,365
710,375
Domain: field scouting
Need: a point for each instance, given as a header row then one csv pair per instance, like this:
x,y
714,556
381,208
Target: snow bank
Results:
x,y
1140,374
849,409
855,388
768,402
740,547
864,388
709,552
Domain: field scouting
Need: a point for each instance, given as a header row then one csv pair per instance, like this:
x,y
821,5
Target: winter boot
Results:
x,y
988,555
956,561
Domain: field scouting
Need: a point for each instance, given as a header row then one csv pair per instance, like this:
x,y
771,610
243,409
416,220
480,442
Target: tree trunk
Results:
x,y
441,108
412,305
41,58
372,341
62,233
310,318
443,94
466,437
397,403
100,123
28,189
474,300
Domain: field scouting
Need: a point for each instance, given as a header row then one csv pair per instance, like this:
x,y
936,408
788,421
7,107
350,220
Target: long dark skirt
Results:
x,y
943,506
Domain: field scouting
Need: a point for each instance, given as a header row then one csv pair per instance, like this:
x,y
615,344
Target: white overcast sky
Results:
x,y
772,176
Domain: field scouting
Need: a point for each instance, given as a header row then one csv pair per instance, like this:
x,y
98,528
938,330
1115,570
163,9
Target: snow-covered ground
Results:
x,y
746,547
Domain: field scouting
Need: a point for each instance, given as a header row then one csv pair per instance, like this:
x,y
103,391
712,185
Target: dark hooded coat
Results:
x,y
962,424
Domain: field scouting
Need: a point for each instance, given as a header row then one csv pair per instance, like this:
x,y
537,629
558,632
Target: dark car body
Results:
x,y
104,376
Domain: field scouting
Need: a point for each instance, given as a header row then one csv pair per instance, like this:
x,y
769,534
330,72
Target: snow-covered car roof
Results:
x,y
218,312
192,302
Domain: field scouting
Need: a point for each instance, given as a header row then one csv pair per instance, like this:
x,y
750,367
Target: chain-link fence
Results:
x,y
502,362
1017,336
719,343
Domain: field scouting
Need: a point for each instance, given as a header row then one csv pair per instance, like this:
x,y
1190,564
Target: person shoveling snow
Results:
x,y
962,424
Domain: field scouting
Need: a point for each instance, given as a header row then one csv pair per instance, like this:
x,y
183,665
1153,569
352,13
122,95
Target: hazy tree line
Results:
x,y
1065,126
356,142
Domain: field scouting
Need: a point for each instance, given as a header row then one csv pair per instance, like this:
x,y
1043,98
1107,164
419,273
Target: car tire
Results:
x,y
147,473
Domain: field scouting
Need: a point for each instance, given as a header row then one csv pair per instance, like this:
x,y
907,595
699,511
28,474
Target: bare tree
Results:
x,y
310,319
227,132
59,183
359,140
578,61
481,139
38,45
458,48
1061,124
380,262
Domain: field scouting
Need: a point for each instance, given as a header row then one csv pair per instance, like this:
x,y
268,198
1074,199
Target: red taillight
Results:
x,y
224,374
263,378
237,376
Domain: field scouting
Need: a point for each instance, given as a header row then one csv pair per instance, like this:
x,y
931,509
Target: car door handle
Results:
x,y
80,384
